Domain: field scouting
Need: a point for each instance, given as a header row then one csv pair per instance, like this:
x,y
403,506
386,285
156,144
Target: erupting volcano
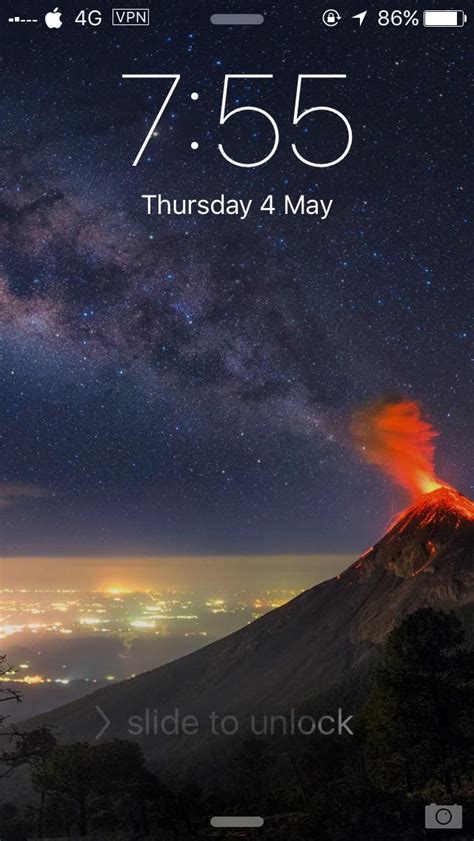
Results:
x,y
394,435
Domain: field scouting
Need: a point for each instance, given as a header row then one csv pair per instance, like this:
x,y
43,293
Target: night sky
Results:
x,y
186,384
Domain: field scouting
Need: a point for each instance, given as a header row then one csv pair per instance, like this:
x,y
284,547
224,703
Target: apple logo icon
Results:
x,y
53,19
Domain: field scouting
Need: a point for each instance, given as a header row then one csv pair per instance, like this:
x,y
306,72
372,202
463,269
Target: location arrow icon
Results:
x,y
360,17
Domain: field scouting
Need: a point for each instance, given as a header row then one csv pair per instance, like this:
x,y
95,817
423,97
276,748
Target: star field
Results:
x,y
185,384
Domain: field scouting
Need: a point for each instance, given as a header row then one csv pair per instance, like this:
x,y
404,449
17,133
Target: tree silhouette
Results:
x,y
418,716
34,749
7,693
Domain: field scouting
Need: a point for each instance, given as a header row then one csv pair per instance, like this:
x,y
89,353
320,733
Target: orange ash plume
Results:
x,y
393,435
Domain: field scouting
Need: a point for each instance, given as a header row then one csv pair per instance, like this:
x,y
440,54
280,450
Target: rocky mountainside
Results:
x,y
306,648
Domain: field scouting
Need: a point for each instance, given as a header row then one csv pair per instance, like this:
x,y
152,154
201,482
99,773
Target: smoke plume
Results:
x,y
393,435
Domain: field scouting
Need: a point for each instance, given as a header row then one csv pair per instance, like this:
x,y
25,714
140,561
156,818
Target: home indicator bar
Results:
x,y
232,821
237,20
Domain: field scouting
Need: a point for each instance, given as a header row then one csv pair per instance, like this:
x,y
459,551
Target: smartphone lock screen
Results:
x,y
236,401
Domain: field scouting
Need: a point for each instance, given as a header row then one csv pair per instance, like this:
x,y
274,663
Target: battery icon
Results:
x,y
444,17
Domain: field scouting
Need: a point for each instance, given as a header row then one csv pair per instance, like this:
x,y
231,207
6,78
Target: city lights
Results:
x,y
31,618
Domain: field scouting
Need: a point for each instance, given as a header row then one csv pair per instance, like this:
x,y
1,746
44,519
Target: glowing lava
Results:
x,y
393,435
436,509
438,525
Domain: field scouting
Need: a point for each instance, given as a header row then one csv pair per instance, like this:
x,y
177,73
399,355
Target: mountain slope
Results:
x,y
293,654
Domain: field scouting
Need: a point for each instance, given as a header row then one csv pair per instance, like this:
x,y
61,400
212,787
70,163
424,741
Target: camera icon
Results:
x,y
443,817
